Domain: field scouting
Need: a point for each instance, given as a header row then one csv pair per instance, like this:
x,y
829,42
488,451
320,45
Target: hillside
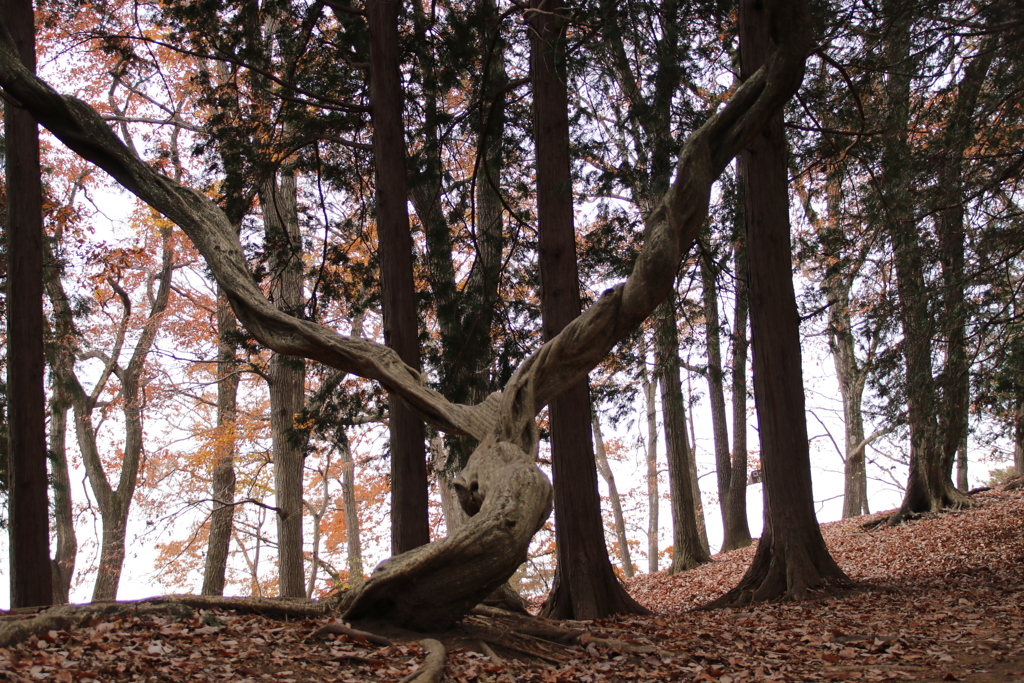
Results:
x,y
940,599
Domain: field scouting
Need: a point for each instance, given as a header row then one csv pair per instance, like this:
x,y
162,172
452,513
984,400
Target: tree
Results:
x,y
409,525
791,558
433,585
223,484
27,479
687,549
585,585
737,529
613,498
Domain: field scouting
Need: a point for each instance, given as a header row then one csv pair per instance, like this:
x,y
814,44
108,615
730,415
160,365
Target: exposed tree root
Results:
x,y
19,625
433,668
493,656
335,628
1014,484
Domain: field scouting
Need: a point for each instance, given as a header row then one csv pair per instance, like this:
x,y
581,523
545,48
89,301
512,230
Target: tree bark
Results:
x,y
286,377
63,563
28,511
791,558
613,497
738,529
223,484
410,526
353,543
585,585
716,387
650,387
687,549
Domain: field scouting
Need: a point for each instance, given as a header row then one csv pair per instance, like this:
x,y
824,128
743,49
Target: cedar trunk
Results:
x,y
585,585
737,528
409,524
687,549
28,506
791,558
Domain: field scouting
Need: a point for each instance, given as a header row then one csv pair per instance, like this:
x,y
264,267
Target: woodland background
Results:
x,y
160,406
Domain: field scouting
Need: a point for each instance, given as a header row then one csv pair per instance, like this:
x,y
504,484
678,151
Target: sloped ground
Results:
x,y
942,599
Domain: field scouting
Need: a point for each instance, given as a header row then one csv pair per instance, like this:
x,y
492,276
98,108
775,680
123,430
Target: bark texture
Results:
x,y
434,585
791,558
409,524
222,515
613,498
687,549
585,585
286,377
28,505
737,529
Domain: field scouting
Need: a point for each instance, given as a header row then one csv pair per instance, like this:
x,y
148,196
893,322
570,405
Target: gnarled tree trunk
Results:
x,y
432,586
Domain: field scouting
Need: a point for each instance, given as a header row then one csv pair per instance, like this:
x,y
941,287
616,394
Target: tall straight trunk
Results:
x,y
738,529
410,526
851,387
954,380
353,543
613,497
223,484
650,387
687,549
464,314
286,377
585,585
791,558
28,505
63,563
716,386
698,499
1018,436
936,415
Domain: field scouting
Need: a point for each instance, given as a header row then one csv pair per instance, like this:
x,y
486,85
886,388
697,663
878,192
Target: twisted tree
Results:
x,y
502,489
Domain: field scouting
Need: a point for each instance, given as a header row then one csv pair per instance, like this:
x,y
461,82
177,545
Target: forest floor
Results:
x,y
940,598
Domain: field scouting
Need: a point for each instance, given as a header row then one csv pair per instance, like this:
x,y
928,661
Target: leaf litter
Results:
x,y
940,598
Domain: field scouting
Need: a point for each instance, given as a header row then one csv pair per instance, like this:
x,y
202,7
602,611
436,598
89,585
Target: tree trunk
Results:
x,y
716,388
28,513
650,386
738,530
223,484
929,486
410,526
286,378
353,543
585,586
698,499
1018,436
613,497
687,549
961,466
791,558
851,386
63,563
